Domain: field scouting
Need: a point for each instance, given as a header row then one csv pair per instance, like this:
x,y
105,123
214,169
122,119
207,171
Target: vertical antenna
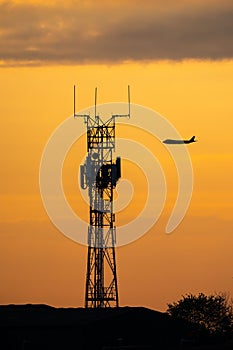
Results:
x,y
95,100
124,115
129,99
74,100
78,115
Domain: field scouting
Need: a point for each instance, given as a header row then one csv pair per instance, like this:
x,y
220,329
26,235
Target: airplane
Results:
x,y
169,141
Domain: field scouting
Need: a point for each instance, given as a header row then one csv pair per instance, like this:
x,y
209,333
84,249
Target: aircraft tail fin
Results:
x,y
192,139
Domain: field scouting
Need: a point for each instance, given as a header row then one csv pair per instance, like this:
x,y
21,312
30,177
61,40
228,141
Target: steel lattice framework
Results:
x,y
99,175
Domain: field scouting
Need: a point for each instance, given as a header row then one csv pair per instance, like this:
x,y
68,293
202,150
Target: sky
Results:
x,y
177,57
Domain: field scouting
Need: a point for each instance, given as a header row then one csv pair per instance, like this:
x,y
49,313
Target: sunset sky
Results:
x,y
177,56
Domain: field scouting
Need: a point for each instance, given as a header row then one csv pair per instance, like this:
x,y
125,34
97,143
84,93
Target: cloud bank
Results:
x,y
86,33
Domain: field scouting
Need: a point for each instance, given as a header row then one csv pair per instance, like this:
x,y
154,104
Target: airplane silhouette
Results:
x,y
169,141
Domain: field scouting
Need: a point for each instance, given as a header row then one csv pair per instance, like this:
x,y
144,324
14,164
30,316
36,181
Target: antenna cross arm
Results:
x,y
121,115
81,115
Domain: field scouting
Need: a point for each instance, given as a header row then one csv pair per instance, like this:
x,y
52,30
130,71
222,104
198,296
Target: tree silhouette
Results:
x,y
212,314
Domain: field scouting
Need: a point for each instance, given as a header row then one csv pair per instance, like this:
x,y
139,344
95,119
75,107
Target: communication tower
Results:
x,y
99,175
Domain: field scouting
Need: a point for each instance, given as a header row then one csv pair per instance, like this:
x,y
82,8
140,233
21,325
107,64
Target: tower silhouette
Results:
x,y
99,175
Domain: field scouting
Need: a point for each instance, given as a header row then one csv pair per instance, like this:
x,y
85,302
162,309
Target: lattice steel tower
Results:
x,y
99,175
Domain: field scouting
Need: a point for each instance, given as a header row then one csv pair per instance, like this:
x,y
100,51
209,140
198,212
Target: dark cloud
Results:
x,y
33,34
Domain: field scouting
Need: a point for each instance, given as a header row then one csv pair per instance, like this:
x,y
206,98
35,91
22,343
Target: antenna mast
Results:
x,y
99,174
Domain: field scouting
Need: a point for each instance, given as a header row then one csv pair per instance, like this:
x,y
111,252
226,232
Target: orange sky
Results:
x,y
40,265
